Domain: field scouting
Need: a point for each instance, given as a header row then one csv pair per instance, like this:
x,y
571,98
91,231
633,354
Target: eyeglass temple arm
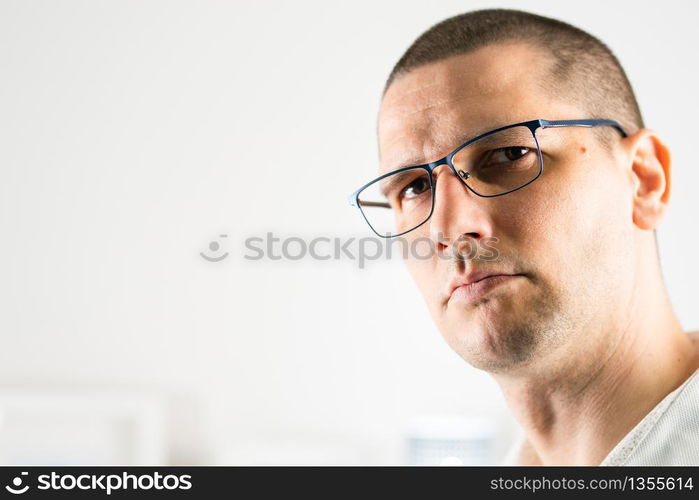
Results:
x,y
353,201
583,123
375,204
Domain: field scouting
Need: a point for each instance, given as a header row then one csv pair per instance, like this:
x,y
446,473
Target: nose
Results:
x,y
458,213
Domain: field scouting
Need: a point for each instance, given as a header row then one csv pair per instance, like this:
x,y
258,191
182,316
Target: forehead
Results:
x,y
432,109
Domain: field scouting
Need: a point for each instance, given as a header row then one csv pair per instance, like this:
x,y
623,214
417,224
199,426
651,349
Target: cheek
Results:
x,y
575,219
588,201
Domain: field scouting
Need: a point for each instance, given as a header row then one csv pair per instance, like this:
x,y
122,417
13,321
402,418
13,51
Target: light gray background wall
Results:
x,y
133,133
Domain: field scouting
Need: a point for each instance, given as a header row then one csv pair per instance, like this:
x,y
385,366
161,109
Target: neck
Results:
x,y
577,413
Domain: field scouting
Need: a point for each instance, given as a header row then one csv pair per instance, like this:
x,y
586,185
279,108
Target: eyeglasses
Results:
x,y
492,164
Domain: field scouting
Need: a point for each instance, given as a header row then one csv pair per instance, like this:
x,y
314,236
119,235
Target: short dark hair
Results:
x,y
583,69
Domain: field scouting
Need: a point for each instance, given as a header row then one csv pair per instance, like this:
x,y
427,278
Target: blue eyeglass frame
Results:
x,y
532,125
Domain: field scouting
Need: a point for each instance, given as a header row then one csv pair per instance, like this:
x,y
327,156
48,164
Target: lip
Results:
x,y
475,286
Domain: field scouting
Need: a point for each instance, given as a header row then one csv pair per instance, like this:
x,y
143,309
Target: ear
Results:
x,y
650,174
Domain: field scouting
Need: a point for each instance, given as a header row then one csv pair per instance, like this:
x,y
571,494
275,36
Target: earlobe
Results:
x,y
650,169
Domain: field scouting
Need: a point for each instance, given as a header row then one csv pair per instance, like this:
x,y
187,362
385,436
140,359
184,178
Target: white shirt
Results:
x,y
667,435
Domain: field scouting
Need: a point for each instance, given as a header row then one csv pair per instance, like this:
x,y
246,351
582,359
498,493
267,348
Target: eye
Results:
x,y
415,188
512,153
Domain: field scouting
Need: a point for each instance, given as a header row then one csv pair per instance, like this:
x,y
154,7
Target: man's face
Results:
x,y
566,240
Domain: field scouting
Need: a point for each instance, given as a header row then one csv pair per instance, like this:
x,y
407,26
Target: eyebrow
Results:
x,y
417,160
395,180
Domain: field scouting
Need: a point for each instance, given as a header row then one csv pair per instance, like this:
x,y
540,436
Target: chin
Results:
x,y
494,345
505,331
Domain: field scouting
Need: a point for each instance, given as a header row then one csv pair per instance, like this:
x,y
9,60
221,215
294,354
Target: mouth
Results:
x,y
472,290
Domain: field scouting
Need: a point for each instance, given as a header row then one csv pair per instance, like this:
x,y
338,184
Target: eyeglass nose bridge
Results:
x,y
460,174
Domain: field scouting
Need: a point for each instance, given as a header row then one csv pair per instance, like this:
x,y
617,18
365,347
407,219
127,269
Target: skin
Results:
x,y
583,342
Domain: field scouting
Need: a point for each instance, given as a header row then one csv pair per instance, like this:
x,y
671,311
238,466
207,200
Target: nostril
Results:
x,y
466,246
